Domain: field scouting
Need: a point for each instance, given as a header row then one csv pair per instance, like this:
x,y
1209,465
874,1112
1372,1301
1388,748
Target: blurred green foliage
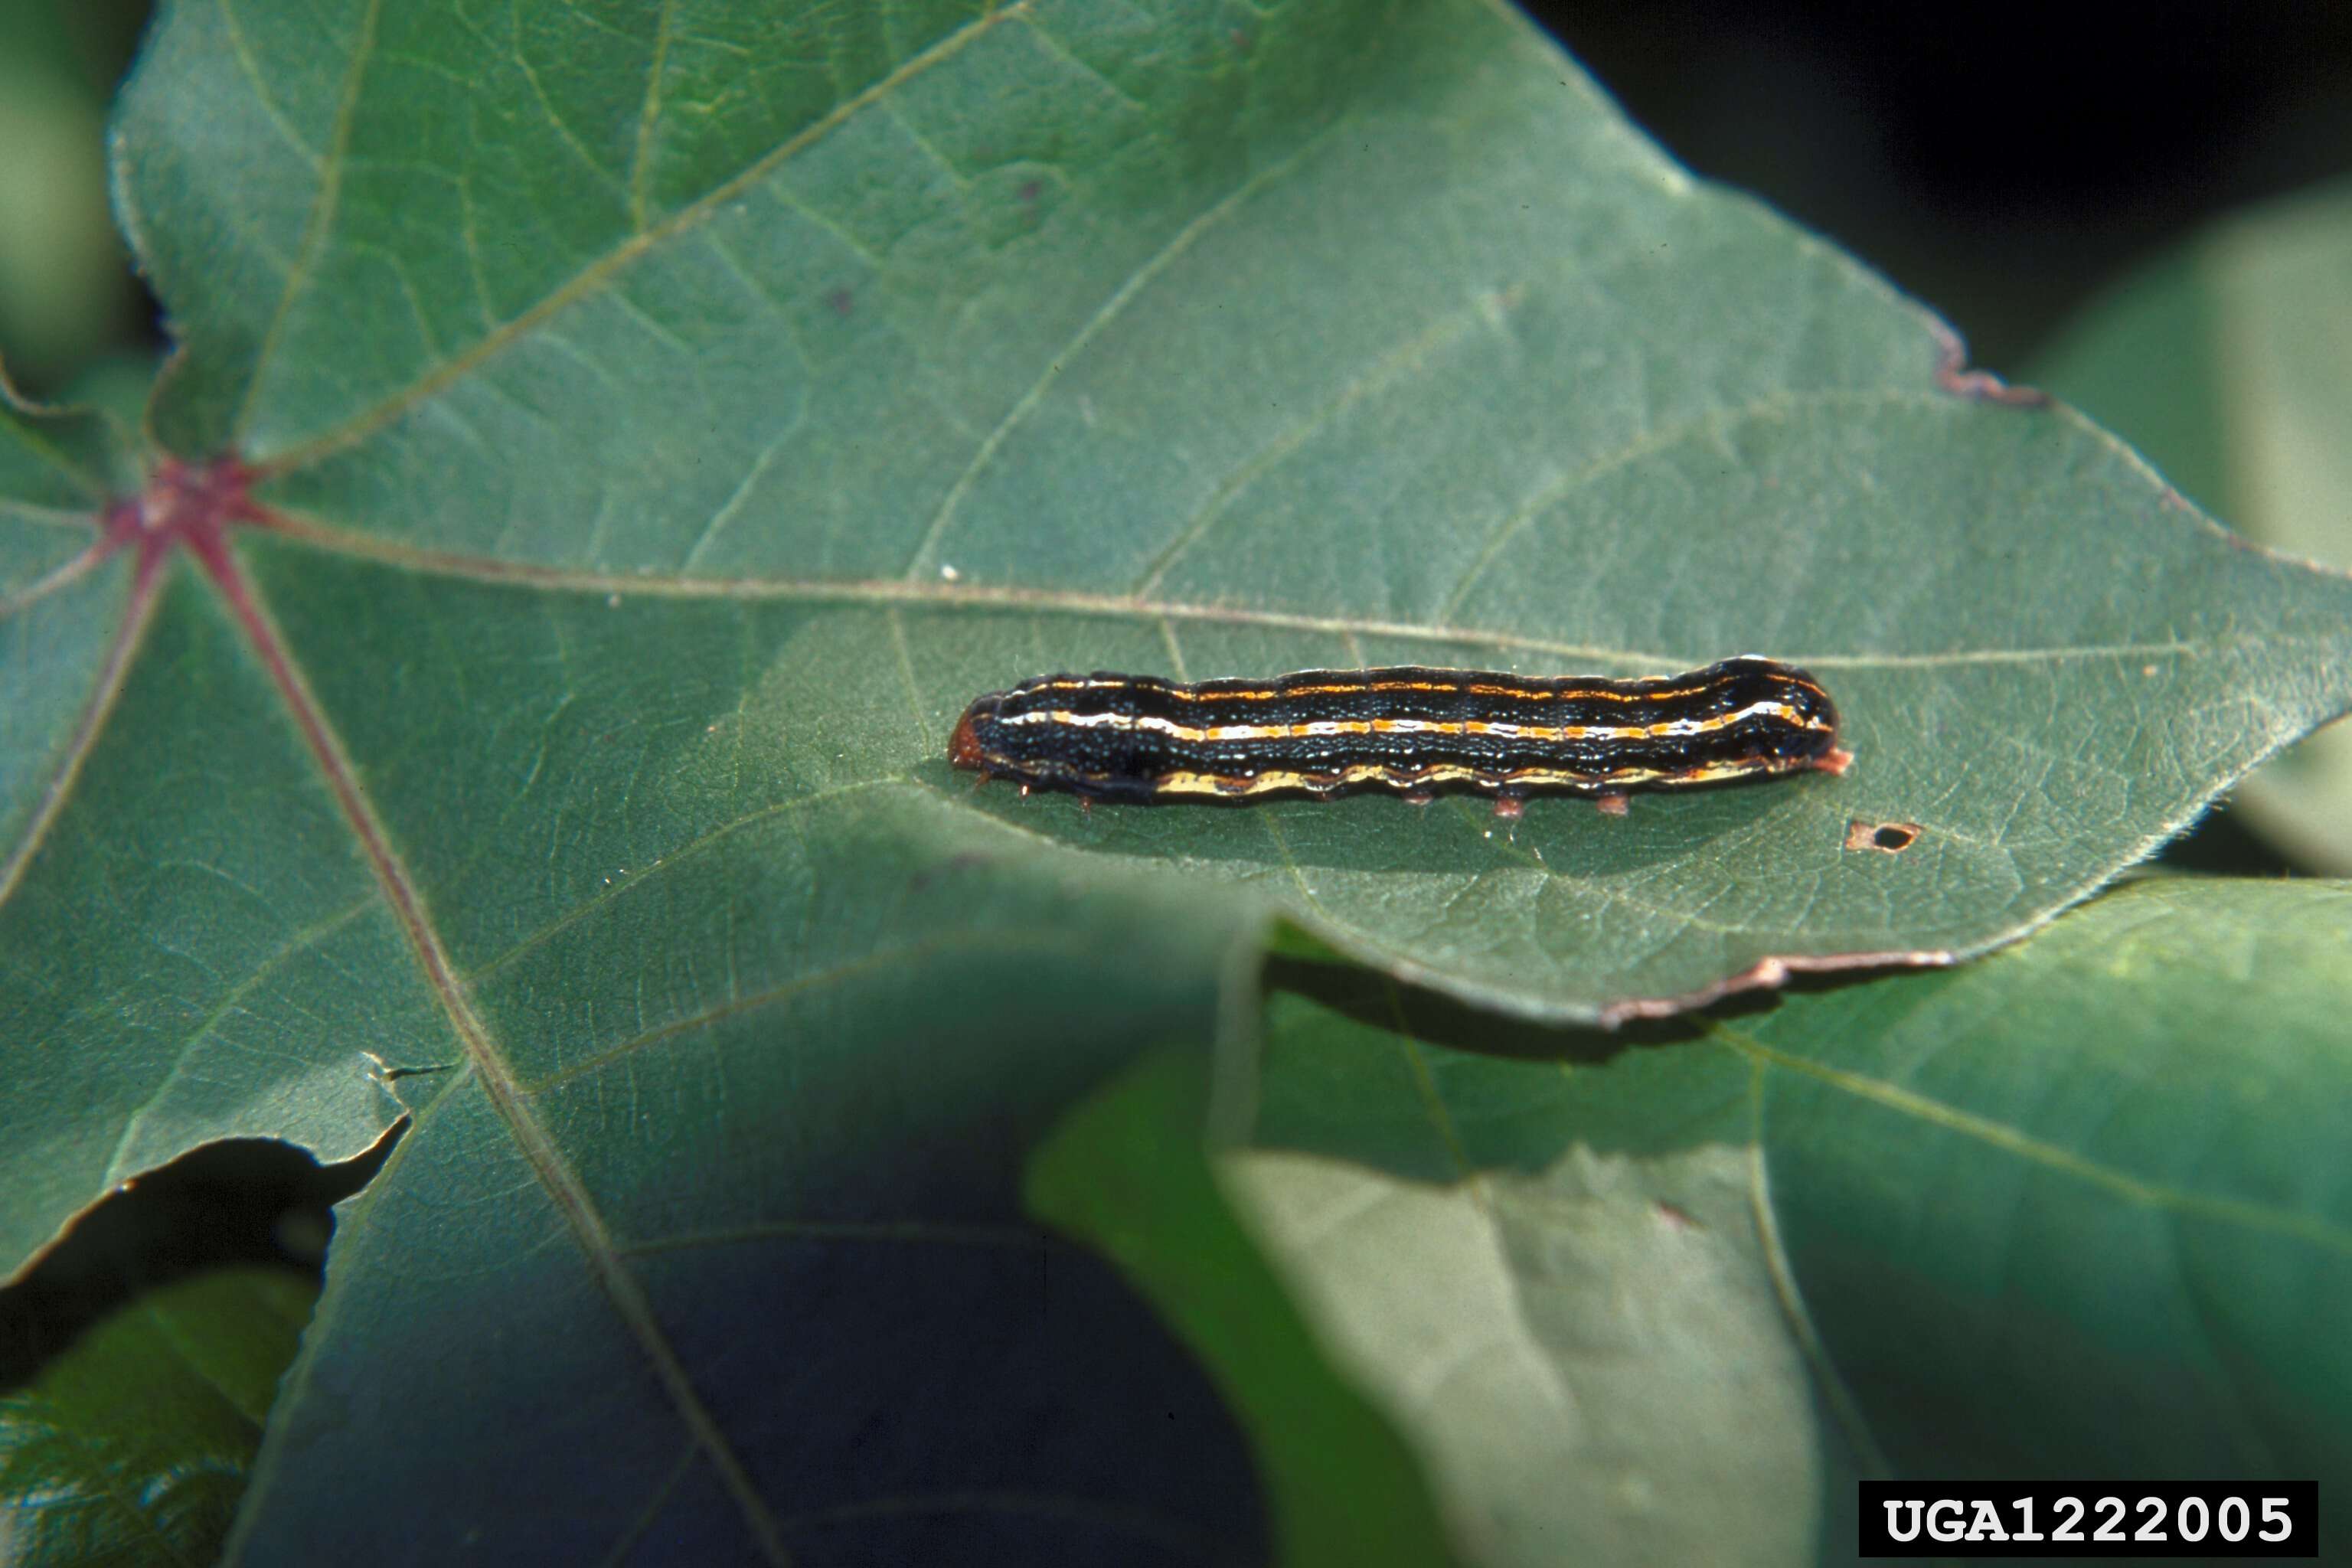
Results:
x,y
66,292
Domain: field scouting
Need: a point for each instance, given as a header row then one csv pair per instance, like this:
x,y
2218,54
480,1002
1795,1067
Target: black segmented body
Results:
x,y
1407,726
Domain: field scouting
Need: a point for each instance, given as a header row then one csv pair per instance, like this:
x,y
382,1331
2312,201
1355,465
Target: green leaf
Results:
x,y
2080,1209
63,289
2218,362
1593,1358
131,1448
1044,336
613,443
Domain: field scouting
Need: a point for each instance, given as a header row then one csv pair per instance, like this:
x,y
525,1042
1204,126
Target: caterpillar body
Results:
x,y
1406,728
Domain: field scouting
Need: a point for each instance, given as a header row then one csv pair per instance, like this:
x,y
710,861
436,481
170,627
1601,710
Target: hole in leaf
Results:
x,y
239,1201
1886,838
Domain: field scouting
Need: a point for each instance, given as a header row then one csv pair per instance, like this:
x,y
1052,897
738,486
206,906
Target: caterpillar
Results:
x,y
1406,728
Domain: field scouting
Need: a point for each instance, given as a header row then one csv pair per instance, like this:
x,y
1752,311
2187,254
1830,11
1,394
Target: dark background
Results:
x,y
2002,162
1999,161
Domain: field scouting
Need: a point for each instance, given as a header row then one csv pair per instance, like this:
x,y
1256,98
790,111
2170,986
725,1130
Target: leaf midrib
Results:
x,y
564,1188
497,572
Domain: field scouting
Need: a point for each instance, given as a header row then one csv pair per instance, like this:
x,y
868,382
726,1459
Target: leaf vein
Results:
x,y
323,204
112,677
439,377
961,594
540,1153
649,115
2157,1195
1109,312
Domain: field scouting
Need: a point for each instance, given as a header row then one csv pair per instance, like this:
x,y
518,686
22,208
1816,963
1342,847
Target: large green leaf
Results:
x,y
1048,335
2228,362
614,443
2083,1209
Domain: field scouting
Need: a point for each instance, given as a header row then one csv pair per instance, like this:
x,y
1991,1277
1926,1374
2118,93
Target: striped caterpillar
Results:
x,y
1325,731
